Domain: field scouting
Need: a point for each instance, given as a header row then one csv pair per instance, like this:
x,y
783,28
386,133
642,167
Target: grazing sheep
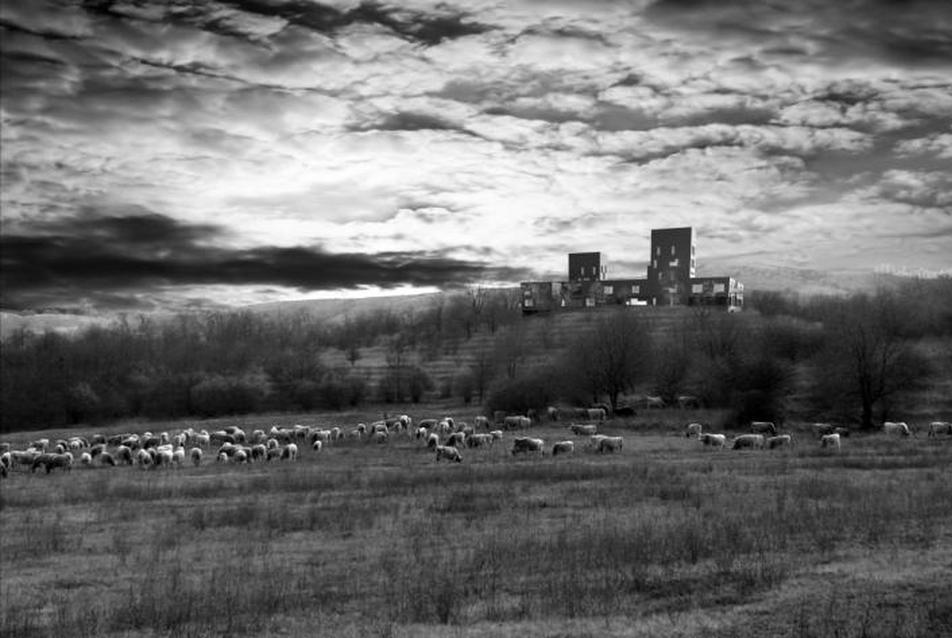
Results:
x,y
124,454
432,440
24,457
86,459
781,440
317,445
259,452
713,440
105,458
481,422
610,444
896,428
97,449
940,427
290,452
274,453
50,461
563,447
844,432
693,429
272,444
178,455
143,458
596,414
743,441
830,440
496,434
163,457
583,429
380,436
6,459
449,453
223,458
517,422
763,427
241,456
525,445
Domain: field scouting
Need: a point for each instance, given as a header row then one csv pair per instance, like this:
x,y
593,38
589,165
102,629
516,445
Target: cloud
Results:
x,y
104,257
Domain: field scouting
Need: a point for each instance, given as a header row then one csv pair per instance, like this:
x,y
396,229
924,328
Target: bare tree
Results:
x,y
867,360
613,356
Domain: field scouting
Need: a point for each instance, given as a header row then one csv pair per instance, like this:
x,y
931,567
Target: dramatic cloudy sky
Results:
x,y
165,154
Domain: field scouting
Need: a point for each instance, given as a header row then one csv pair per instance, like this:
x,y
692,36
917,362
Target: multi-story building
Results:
x,y
670,281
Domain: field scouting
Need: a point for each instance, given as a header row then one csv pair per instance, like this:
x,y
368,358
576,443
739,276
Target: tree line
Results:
x,y
855,358
222,363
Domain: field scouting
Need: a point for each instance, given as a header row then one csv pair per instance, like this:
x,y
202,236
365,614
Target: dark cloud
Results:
x,y
109,258
407,121
913,32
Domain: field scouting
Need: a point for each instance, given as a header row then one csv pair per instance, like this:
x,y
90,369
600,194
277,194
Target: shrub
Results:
x,y
535,390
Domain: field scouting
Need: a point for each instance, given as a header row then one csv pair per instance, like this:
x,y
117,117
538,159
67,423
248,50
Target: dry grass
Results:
x,y
665,538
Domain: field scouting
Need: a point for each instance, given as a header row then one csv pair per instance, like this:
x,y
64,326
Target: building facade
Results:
x,y
671,281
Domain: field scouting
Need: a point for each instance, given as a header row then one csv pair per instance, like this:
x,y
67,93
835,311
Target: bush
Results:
x,y
536,391
218,395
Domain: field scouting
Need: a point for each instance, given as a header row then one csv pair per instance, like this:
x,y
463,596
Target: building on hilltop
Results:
x,y
671,281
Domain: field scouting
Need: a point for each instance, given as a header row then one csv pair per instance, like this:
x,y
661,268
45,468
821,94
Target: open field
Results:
x,y
662,538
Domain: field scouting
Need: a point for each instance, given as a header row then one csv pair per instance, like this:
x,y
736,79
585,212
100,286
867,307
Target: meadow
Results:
x,y
664,538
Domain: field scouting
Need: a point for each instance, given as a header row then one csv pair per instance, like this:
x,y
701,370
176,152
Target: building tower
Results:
x,y
585,266
671,267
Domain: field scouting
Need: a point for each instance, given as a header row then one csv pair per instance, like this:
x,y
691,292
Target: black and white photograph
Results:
x,y
497,318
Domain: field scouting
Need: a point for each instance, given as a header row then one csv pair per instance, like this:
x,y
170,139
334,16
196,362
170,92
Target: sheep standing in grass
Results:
x,y
830,441
693,430
449,453
610,444
49,462
563,447
196,454
86,459
940,427
105,458
713,440
290,452
143,458
781,440
317,445
124,454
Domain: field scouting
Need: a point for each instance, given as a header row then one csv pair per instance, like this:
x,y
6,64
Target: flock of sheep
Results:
x,y
763,434
446,437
